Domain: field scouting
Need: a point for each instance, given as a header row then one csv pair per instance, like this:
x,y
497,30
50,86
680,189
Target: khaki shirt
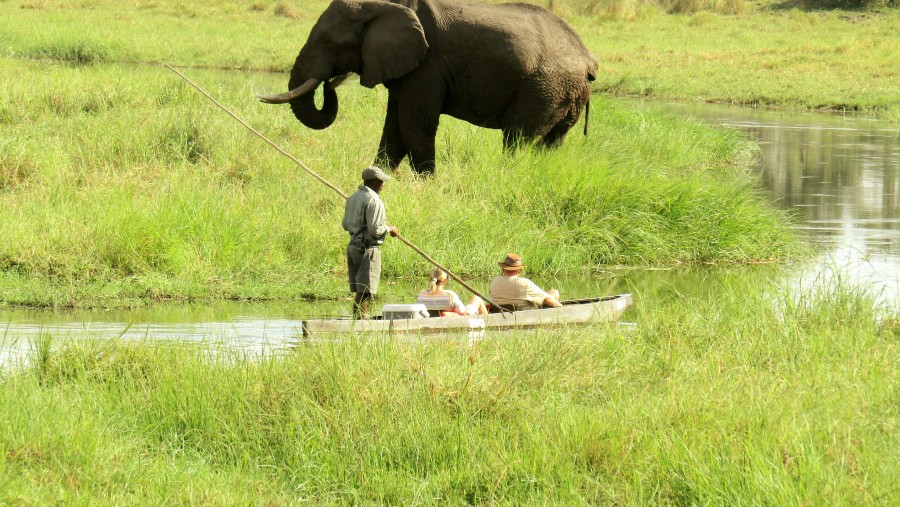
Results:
x,y
364,217
516,291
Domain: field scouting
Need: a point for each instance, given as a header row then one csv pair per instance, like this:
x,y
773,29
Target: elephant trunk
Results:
x,y
303,104
304,107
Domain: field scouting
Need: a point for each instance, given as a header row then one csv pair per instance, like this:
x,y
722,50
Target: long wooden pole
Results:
x,y
325,182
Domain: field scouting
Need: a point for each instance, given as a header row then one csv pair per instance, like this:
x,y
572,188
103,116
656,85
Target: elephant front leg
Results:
x,y
392,149
422,160
419,131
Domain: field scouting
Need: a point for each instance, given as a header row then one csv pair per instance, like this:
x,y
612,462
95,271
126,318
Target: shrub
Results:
x,y
850,4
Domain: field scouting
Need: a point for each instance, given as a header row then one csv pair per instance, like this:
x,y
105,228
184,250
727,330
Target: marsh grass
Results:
x,y
126,180
787,59
629,10
891,114
734,51
723,398
76,51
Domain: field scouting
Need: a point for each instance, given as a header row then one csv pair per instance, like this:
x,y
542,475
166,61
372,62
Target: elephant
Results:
x,y
514,67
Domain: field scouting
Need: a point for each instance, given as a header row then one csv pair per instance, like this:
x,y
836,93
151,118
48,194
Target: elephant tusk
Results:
x,y
283,98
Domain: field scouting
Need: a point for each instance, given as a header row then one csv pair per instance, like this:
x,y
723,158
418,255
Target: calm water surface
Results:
x,y
840,175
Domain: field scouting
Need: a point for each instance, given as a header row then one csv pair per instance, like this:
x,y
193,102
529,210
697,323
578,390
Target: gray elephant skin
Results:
x,y
514,67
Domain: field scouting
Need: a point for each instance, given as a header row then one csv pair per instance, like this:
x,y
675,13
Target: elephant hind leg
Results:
x,y
513,138
557,133
555,137
529,118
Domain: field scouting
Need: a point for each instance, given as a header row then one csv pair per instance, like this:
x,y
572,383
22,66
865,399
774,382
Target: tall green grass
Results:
x,y
124,181
741,396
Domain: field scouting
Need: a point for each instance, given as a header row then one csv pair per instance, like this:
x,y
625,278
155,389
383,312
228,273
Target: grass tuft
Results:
x,y
77,52
891,114
16,168
286,10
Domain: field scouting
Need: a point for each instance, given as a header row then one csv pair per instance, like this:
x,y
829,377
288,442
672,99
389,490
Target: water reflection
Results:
x,y
839,173
250,328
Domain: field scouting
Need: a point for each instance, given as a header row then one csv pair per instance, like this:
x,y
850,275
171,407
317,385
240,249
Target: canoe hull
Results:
x,y
603,309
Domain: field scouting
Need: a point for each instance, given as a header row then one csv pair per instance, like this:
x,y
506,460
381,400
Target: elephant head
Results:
x,y
376,39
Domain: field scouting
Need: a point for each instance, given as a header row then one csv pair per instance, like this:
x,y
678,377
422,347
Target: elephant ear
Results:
x,y
393,43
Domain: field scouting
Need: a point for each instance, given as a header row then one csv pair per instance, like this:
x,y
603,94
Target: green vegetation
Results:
x,y
122,183
119,184
619,8
790,59
755,53
718,400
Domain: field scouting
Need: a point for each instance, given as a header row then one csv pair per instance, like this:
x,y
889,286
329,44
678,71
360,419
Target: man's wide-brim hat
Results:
x,y
374,173
512,262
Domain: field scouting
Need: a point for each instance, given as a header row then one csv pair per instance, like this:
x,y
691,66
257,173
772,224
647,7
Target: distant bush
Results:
x,y
849,4
629,9
286,10
78,52
693,6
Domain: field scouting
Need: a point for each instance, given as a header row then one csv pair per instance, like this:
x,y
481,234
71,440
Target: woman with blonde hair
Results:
x,y
440,301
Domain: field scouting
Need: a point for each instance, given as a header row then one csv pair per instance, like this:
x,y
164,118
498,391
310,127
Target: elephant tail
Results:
x,y
587,114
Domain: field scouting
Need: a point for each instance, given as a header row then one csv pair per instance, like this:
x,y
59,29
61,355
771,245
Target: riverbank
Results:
x,y
745,395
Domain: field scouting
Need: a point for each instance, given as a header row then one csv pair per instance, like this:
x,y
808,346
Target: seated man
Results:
x,y
513,292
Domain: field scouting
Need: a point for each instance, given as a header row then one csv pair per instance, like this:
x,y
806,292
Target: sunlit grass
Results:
x,y
761,54
126,177
120,185
119,180
744,395
750,53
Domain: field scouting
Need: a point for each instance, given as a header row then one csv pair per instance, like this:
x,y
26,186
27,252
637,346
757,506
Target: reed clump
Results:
x,y
76,52
286,10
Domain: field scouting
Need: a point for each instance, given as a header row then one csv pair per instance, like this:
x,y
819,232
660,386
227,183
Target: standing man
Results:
x,y
365,221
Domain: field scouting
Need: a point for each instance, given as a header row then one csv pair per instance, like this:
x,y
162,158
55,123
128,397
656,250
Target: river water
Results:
x,y
840,175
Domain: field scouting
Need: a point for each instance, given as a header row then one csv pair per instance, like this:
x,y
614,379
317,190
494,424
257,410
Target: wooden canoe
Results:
x,y
579,311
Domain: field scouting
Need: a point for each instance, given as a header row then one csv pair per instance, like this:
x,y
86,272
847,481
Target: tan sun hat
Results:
x,y
512,262
374,173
